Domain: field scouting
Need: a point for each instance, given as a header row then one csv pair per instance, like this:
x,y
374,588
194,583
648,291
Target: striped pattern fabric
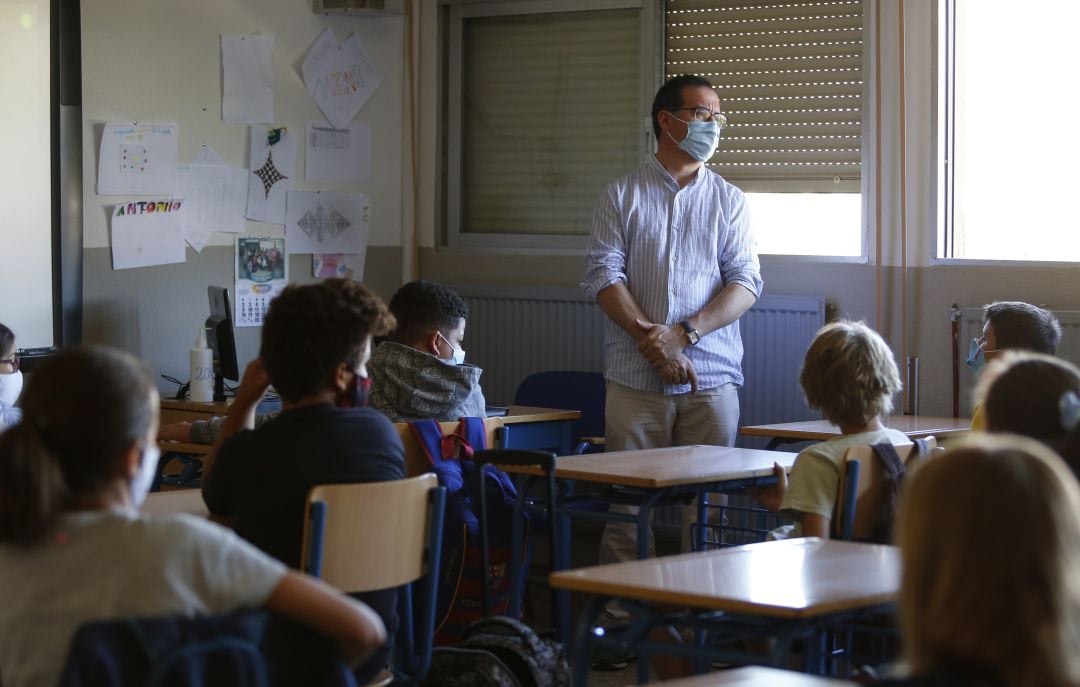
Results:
x,y
675,249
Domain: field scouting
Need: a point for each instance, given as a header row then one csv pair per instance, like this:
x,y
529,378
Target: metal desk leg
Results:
x,y
517,574
580,649
643,522
702,521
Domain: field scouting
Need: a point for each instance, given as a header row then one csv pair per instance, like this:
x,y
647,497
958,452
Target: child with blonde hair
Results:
x,y
850,375
990,597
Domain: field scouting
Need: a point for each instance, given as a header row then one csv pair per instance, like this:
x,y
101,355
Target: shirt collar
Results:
x,y
670,180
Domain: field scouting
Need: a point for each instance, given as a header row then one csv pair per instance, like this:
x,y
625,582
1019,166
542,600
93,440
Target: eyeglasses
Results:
x,y
702,114
14,361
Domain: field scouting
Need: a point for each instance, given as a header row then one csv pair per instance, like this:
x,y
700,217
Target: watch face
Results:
x,y
693,336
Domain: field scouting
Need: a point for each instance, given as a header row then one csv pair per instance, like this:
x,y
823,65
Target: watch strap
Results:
x,y
691,333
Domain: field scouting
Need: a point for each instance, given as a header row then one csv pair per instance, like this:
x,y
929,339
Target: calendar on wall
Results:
x,y
262,271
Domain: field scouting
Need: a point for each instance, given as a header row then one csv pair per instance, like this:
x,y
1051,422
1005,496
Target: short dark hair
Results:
x,y
7,339
421,307
1022,326
310,329
669,97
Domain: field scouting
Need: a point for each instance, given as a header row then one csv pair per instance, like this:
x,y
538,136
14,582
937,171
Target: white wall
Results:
x,y
160,61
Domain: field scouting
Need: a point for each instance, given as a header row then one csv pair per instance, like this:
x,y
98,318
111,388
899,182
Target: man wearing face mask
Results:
x,y
316,341
671,264
420,372
1011,326
11,379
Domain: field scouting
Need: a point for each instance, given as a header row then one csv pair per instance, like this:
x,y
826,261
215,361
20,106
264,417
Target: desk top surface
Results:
x,y
184,447
179,501
915,426
666,467
515,414
755,676
795,578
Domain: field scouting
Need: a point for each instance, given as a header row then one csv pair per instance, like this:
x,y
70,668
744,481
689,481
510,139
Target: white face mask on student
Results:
x,y
458,355
10,387
144,478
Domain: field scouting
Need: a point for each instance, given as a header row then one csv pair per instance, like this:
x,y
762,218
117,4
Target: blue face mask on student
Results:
x,y
701,139
976,358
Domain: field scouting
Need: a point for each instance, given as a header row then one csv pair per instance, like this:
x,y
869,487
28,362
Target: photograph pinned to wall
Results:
x,y
216,197
262,271
272,164
337,156
342,265
247,89
340,77
147,233
327,222
137,159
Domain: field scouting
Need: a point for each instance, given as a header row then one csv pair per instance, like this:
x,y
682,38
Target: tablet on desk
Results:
x,y
496,411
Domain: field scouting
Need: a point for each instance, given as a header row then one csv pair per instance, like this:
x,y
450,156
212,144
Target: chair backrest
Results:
x,y
373,536
865,485
567,390
416,462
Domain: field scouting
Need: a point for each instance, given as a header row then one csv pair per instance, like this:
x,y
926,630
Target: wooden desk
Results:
x,y
184,447
645,478
180,501
756,676
914,426
793,584
173,410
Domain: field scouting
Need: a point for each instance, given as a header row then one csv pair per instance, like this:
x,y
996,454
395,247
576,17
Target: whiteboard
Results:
x,y
26,248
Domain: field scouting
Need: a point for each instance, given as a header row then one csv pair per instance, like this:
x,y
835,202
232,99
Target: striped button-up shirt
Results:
x,y
676,249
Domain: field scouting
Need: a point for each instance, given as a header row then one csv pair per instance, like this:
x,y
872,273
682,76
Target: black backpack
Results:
x,y
896,470
499,652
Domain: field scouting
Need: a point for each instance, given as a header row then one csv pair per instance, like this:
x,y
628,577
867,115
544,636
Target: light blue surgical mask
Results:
x,y
701,138
976,358
457,357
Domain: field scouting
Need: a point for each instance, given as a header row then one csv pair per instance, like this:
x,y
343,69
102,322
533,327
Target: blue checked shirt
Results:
x,y
675,249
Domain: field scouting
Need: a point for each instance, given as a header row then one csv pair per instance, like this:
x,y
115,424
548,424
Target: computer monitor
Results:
x,y
220,339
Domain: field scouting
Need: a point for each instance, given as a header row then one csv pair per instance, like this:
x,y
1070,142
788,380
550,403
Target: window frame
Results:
x,y
650,54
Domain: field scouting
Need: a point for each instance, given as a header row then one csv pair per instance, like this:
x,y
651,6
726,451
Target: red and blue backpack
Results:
x,y
461,578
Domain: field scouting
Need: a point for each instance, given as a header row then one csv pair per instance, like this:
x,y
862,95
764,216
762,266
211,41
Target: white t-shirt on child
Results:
x,y
101,565
815,476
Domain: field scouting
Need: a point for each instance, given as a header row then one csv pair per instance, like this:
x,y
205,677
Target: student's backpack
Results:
x,y
499,652
889,501
461,576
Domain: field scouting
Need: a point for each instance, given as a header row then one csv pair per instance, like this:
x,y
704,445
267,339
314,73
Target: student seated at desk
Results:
x,y
420,372
1036,396
316,340
11,380
849,374
989,596
74,548
1011,326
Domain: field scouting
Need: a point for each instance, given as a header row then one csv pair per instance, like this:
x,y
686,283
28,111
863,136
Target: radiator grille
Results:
x,y
513,332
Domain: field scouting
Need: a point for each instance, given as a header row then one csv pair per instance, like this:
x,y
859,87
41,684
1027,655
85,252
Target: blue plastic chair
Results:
x,y
569,390
403,551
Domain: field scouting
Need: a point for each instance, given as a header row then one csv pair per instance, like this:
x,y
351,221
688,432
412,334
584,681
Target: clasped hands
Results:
x,y
662,346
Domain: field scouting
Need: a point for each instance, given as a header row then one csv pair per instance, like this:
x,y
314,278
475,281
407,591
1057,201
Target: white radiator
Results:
x,y
515,331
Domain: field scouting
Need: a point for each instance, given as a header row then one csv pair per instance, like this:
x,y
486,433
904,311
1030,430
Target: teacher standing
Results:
x,y
671,263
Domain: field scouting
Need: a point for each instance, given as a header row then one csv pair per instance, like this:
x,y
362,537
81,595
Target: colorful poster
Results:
x,y
339,76
247,95
342,265
272,164
262,271
137,159
146,233
326,222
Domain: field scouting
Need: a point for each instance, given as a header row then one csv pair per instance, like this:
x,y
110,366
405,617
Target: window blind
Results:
x,y
790,78
550,115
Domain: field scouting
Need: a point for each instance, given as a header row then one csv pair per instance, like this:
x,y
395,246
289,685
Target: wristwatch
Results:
x,y
691,333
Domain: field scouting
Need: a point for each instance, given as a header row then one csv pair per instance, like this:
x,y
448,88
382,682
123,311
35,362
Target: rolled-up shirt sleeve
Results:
x,y
738,261
605,255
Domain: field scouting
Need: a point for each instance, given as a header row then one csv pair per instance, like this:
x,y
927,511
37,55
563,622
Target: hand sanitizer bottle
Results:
x,y
202,371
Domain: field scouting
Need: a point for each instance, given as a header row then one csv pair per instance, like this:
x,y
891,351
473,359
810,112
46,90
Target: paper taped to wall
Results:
x,y
146,233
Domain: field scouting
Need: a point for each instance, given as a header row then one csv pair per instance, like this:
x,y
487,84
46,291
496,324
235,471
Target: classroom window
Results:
x,y
545,109
790,79
1010,171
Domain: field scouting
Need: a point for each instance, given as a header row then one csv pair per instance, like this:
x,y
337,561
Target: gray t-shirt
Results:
x,y
102,565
